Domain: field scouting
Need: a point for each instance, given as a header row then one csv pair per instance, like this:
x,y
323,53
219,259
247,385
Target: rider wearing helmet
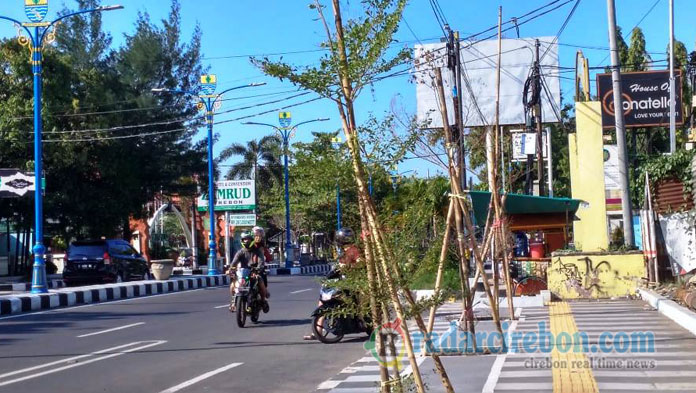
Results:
x,y
348,256
260,243
247,257
348,252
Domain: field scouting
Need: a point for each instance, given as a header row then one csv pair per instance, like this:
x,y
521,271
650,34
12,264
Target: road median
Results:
x,y
73,296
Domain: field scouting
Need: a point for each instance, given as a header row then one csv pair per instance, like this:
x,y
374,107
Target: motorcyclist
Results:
x,y
348,256
247,257
260,243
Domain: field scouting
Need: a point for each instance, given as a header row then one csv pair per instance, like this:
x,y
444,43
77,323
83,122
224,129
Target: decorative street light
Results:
x,y
286,132
336,143
210,101
42,33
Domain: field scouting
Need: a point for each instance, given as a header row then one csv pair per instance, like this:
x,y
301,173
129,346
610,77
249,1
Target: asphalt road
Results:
x,y
179,342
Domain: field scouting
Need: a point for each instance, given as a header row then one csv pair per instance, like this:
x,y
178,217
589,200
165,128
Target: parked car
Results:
x,y
103,261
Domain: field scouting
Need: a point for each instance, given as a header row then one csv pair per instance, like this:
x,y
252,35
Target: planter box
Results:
x,y
162,268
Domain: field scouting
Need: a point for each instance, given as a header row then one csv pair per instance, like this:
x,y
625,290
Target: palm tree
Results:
x,y
259,161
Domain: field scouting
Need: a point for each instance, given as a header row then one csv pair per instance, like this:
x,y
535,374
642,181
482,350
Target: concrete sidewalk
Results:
x,y
607,346
66,297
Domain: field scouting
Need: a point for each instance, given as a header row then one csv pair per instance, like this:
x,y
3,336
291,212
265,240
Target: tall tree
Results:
x,y
104,161
637,57
259,160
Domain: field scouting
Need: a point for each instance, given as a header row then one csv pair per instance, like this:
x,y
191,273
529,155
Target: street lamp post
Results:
x,y
43,33
286,131
210,101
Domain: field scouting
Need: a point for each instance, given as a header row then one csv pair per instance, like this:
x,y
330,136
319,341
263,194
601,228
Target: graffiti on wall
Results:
x,y
595,276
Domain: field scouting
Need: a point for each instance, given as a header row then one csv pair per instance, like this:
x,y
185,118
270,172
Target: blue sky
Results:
x,y
233,29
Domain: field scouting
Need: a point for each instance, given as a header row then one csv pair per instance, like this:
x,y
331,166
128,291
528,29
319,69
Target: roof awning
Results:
x,y
522,204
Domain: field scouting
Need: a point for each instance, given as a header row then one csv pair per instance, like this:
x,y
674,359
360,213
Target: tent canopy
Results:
x,y
522,204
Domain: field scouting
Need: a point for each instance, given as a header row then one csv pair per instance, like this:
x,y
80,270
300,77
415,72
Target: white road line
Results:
x,y
301,290
200,378
497,368
223,306
111,330
146,344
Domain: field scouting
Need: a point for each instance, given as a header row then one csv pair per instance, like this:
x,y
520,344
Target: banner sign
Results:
x,y
231,195
242,220
612,180
524,143
14,183
645,98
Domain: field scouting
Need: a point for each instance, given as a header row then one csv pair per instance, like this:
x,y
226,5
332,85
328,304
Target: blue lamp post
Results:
x,y
336,142
40,33
210,101
286,132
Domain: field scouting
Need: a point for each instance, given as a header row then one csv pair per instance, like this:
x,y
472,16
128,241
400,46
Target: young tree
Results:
x,y
357,56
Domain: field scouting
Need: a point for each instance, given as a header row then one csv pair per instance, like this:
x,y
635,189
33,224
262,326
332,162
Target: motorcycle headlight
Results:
x,y
327,294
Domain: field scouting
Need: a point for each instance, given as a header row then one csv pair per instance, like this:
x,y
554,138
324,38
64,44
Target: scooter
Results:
x,y
329,326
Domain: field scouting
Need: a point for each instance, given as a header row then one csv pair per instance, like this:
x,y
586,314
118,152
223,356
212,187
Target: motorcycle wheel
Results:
x,y
329,331
240,303
255,313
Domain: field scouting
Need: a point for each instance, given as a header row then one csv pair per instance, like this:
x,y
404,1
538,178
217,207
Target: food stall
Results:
x,y
540,225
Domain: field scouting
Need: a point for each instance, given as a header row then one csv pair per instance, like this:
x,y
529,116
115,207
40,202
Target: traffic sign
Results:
x,y
285,119
14,183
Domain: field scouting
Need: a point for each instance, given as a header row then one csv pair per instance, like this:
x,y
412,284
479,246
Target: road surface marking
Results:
x,y
326,385
568,376
111,330
497,368
223,306
142,345
200,378
301,290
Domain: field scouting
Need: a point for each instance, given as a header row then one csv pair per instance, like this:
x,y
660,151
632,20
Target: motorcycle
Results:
x,y
247,297
328,326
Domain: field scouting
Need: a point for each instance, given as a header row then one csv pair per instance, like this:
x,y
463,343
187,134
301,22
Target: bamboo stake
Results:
x,y
441,265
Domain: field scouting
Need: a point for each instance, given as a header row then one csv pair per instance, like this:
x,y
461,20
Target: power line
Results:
x,y
637,24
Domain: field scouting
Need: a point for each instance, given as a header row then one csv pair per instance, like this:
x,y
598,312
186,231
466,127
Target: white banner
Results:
x,y
679,234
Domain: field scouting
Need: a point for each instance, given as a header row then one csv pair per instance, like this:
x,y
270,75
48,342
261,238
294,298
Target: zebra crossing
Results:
x,y
362,376
628,347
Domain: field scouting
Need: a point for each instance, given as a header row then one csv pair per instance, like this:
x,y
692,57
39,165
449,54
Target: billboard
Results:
x,y
231,195
479,62
646,98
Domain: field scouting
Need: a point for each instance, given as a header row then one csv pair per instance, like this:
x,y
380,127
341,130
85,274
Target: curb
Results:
x,y
10,305
671,309
303,271
26,286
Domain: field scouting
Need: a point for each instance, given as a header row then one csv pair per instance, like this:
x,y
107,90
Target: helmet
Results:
x,y
259,231
247,239
345,236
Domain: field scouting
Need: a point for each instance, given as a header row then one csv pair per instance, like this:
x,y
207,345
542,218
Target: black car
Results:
x,y
103,261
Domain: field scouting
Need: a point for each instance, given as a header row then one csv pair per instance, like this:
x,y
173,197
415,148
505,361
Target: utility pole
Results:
x,y
537,120
672,98
620,127
460,107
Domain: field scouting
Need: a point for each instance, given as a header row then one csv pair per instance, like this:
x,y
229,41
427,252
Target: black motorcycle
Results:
x,y
328,325
247,297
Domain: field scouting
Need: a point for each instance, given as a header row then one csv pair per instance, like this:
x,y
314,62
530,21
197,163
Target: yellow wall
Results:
x,y
595,276
586,149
